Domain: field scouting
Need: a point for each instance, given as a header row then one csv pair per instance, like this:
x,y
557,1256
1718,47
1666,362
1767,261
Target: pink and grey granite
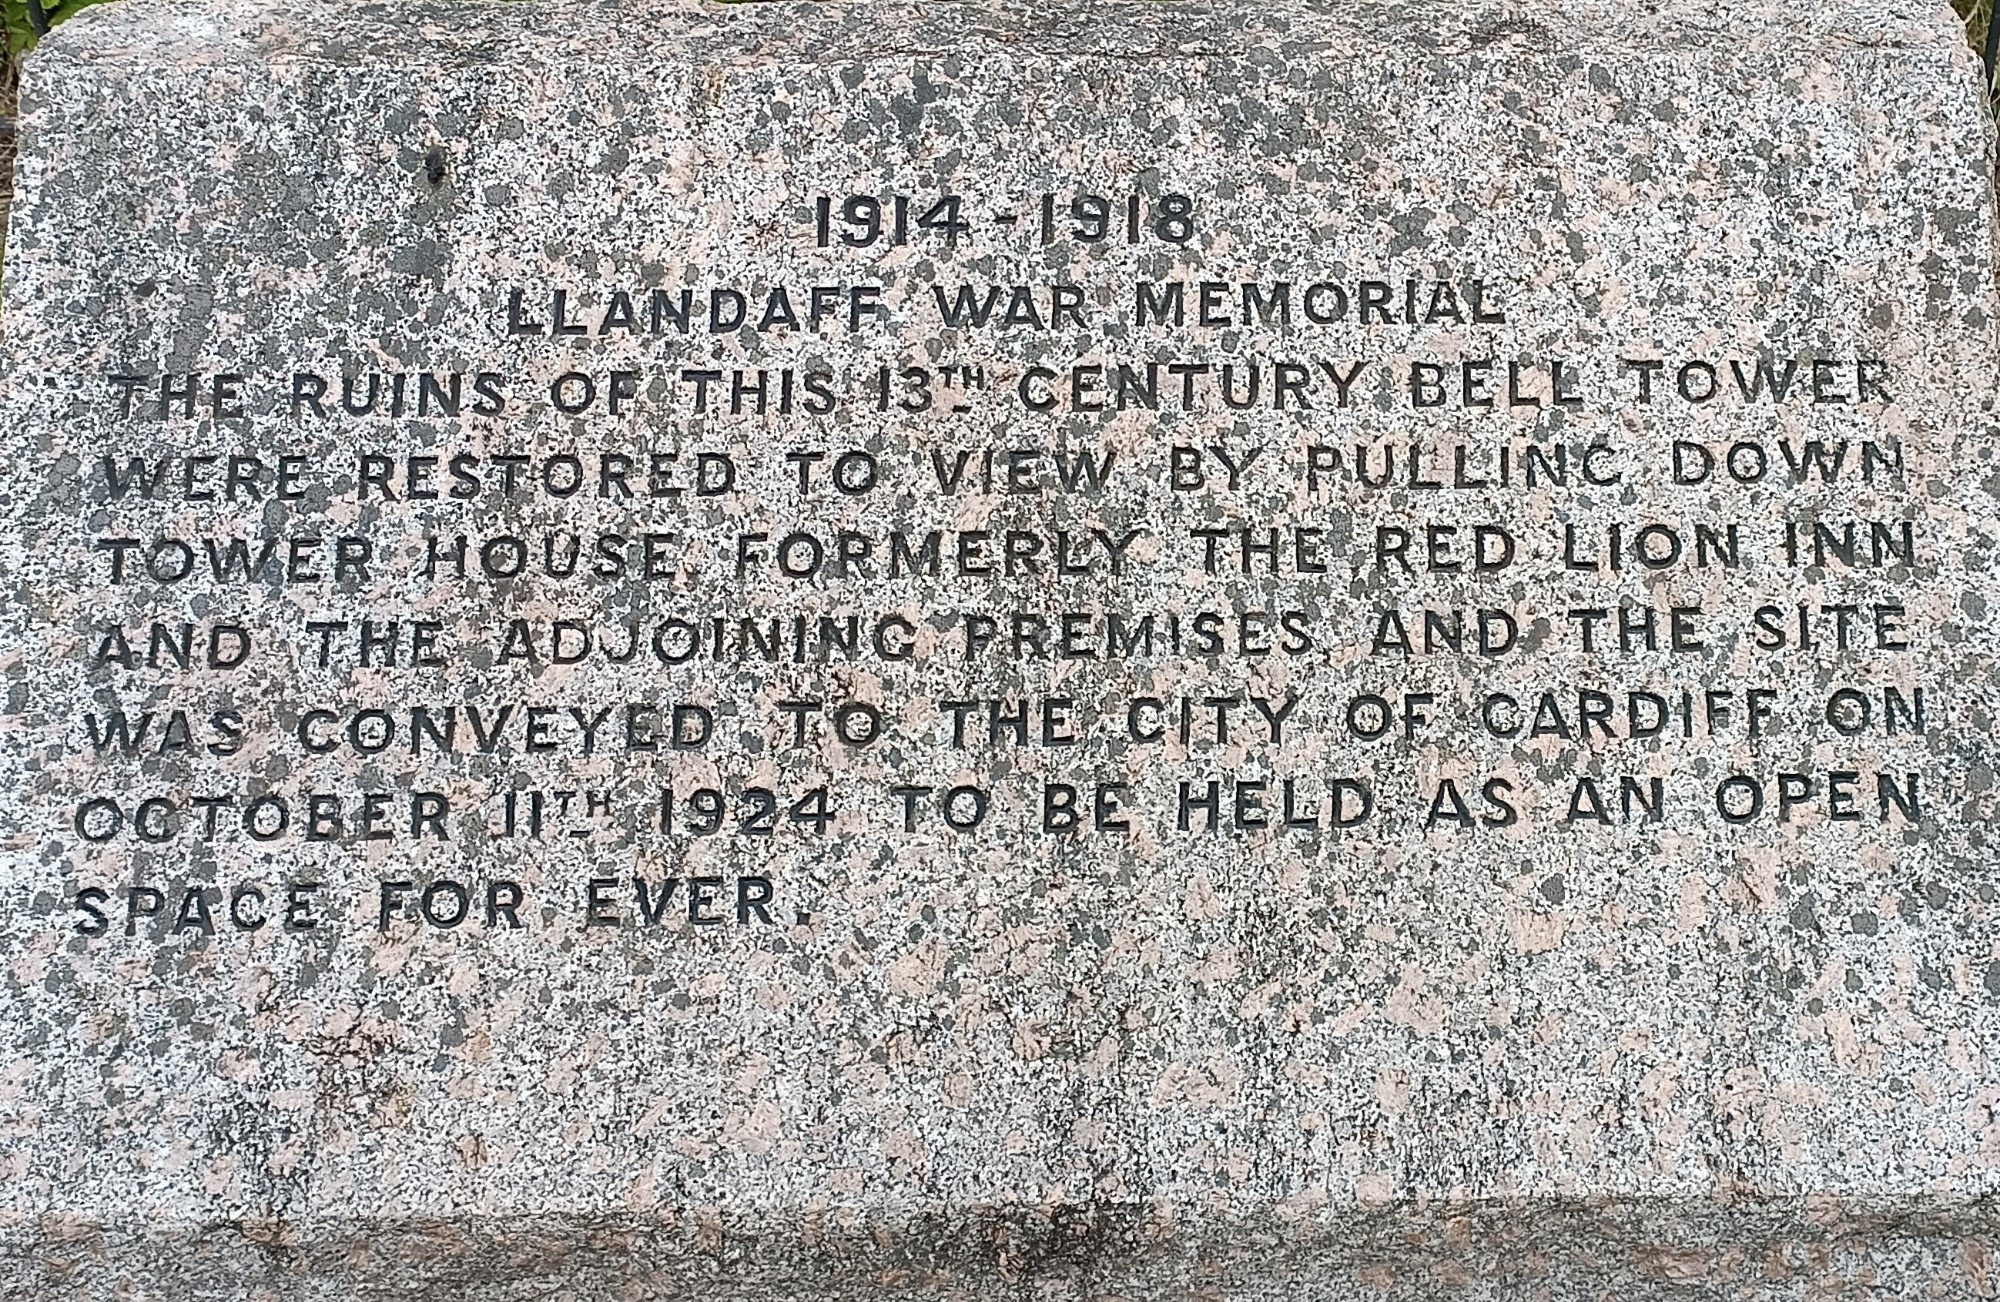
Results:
x,y
1126,651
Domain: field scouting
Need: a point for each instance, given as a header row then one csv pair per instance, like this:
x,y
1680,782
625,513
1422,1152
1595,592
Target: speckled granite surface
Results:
x,y
1535,461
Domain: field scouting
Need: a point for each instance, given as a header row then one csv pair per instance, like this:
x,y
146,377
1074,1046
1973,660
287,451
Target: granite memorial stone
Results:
x,y
1252,651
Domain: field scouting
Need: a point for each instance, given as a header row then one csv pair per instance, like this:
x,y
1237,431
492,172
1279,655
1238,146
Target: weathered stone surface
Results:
x,y
1552,1048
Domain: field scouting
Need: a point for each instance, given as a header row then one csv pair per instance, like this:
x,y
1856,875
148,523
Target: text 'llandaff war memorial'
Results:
x,y
778,650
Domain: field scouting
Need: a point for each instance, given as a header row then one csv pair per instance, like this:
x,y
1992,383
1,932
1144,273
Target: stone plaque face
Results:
x,y
794,650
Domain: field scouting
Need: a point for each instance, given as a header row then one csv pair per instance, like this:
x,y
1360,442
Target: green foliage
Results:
x,y
28,19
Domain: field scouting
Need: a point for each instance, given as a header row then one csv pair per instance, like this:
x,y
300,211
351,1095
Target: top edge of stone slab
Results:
x,y
471,33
